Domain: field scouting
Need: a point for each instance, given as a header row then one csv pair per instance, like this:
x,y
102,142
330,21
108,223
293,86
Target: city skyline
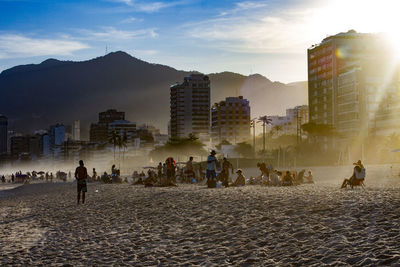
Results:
x,y
266,37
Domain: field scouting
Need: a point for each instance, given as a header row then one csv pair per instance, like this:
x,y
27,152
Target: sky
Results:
x,y
267,37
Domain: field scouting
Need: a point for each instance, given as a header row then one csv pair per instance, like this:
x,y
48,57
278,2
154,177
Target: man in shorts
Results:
x,y
81,176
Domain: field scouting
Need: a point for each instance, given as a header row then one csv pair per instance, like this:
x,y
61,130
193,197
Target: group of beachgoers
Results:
x,y
268,177
28,177
217,174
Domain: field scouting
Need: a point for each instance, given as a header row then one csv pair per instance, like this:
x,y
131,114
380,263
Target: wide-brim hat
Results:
x,y
239,170
357,163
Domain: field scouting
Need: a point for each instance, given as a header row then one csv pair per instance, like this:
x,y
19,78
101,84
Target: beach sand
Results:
x,y
316,224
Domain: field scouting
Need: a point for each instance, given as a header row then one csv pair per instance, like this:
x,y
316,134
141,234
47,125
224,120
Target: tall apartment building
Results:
x,y
19,145
99,131
57,134
26,144
368,99
325,62
190,107
3,134
123,127
353,85
230,120
76,130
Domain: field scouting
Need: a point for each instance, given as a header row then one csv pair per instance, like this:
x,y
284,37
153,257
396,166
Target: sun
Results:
x,y
365,16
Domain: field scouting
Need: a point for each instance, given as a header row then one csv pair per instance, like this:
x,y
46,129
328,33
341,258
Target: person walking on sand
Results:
x,y
81,176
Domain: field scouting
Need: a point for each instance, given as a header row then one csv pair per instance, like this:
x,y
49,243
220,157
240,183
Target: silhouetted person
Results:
x,y
358,176
94,176
81,176
189,170
211,169
287,180
226,165
159,170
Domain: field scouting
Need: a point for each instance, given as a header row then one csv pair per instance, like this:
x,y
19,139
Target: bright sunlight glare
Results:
x,y
361,15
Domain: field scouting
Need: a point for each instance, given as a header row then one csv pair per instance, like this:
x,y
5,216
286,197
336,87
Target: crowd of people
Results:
x,y
28,177
217,173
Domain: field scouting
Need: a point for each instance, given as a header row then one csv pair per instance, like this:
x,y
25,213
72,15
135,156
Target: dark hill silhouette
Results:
x,y
36,95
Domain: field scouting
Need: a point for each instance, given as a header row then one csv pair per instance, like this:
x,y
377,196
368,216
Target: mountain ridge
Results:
x,y
37,95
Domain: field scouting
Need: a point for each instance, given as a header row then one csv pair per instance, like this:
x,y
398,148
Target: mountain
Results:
x,y
36,95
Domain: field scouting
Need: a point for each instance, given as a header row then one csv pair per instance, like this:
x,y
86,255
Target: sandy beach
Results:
x,y
312,225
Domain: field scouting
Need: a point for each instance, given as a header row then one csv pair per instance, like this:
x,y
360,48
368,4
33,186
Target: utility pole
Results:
x,y
298,130
253,125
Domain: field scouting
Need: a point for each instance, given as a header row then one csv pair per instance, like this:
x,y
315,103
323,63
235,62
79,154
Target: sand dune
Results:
x,y
189,225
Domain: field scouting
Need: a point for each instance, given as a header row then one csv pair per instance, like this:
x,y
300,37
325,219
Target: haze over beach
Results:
x,y
199,133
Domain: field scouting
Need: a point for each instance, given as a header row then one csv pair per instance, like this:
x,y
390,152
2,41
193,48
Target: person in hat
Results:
x,y
211,169
357,177
240,180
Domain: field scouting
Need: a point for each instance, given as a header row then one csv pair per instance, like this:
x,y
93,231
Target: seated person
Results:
x,y
150,180
300,176
138,181
287,180
240,180
309,178
274,178
358,176
105,178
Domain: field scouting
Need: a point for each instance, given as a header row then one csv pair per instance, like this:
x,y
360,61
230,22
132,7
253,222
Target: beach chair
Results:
x,y
357,182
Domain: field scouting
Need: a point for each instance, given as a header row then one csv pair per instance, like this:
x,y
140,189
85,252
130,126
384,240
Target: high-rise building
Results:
x,y
346,89
19,145
230,120
325,63
45,144
111,115
3,134
368,99
123,127
76,130
99,131
57,134
190,107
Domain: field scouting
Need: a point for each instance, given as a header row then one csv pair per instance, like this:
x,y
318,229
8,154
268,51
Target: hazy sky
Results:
x,y
267,37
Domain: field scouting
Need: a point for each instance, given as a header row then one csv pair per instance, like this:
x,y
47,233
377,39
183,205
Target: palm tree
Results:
x,y
265,120
114,140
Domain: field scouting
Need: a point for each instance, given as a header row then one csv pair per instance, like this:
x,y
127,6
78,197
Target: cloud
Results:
x,y
147,6
256,27
16,46
111,33
130,20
